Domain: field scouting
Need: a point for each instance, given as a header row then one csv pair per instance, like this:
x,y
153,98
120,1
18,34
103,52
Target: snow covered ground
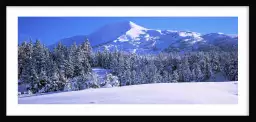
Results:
x,y
100,72
160,93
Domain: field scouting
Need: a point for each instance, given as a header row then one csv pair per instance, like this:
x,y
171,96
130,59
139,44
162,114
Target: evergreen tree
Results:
x,y
25,62
158,78
39,57
127,80
133,77
121,65
78,63
59,57
106,58
175,76
114,65
165,77
43,80
193,75
138,77
22,57
94,59
54,81
199,74
85,55
187,74
88,50
152,75
209,72
69,67
215,62
34,81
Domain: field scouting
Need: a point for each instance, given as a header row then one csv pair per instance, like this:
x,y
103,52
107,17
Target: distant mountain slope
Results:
x,y
128,36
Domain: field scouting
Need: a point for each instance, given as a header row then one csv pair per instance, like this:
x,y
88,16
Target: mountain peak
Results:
x,y
131,22
134,25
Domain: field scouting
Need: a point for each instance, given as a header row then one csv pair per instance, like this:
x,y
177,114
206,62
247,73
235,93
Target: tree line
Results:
x,y
45,70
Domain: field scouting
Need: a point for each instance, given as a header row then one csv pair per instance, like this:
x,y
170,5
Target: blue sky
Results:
x,y
51,29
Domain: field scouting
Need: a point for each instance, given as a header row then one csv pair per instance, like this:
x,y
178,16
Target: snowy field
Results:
x,y
160,93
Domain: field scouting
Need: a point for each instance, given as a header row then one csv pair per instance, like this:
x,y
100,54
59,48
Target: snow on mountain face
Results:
x,y
132,34
128,36
139,39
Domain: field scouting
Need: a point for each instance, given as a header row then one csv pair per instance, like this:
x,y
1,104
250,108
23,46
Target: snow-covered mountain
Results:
x,y
128,36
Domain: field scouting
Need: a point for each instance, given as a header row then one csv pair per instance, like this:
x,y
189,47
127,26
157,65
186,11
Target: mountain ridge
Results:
x,y
128,36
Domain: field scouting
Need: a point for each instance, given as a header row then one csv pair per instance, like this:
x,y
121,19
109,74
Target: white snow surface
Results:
x,y
159,93
133,33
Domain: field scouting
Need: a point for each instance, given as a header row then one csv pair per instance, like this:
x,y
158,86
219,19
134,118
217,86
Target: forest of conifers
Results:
x,y
70,68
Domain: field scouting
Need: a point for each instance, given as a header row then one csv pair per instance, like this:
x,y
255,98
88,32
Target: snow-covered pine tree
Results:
x,y
110,81
34,81
114,65
85,54
59,57
54,81
159,62
62,81
187,74
25,61
133,77
120,66
78,67
38,56
209,72
158,78
127,63
106,58
215,61
203,68
193,75
198,73
29,74
169,76
127,78
87,66
94,59
165,77
88,50
114,81
93,81
231,67
133,61
43,80
175,76
22,57
69,67
139,77
82,81
73,51
99,59
152,75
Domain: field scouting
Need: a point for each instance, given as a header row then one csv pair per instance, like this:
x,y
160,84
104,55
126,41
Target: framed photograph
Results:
x,y
127,60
